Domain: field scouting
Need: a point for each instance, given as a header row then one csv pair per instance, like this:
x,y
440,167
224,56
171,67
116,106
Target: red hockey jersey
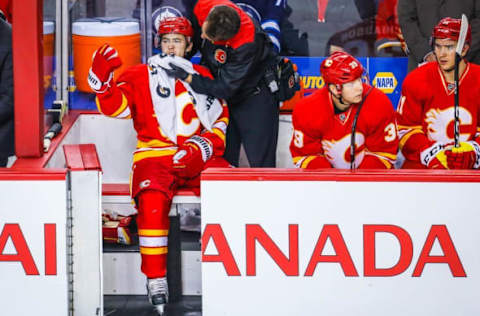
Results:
x,y
321,138
130,97
425,113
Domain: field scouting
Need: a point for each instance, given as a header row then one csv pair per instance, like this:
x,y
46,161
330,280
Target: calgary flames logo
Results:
x,y
440,124
338,152
291,82
220,56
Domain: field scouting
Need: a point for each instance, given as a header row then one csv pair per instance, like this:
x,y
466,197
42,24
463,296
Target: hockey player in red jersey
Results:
x,y
323,121
426,107
179,133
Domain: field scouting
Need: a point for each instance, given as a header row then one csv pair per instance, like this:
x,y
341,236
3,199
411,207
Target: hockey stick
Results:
x,y
354,127
458,58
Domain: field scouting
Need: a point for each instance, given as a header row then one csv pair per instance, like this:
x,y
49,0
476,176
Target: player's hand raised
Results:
x,y
104,61
466,156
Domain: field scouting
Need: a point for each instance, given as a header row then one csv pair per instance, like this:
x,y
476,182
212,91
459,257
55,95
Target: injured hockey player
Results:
x,y
180,133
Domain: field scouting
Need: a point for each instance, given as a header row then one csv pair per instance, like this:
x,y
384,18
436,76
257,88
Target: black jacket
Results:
x,y
239,65
6,91
418,17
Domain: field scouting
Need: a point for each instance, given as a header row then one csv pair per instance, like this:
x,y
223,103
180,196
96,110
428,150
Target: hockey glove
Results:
x,y
116,229
190,158
434,156
176,72
105,61
466,156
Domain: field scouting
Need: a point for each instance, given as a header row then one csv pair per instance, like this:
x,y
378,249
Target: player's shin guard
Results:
x,y
153,224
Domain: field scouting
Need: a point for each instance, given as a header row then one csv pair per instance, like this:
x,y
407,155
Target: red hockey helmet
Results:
x,y
6,8
179,25
340,68
450,28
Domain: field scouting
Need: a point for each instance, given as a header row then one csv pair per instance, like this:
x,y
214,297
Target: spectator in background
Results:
x,y
294,42
238,54
418,17
273,15
378,33
6,85
389,34
269,14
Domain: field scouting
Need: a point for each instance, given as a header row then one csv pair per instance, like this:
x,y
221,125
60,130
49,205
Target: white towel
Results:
x,y
162,90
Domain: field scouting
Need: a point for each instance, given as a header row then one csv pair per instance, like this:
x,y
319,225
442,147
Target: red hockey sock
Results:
x,y
153,224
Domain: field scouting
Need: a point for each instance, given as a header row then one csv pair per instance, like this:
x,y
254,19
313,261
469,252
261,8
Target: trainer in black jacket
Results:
x,y
238,64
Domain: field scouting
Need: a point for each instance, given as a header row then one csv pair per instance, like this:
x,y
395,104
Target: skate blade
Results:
x,y
160,309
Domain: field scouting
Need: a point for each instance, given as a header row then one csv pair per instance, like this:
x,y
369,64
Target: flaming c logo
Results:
x,y
291,82
220,56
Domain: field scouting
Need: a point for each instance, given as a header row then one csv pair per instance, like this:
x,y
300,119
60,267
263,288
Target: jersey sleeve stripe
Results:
x,y
219,133
297,159
275,41
151,154
409,126
221,125
404,138
386,161
271,24
307,160
152,143
386,155
223,119
122,110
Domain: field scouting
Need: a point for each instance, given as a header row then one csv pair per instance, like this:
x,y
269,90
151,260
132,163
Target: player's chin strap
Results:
x,y
354,127
339,91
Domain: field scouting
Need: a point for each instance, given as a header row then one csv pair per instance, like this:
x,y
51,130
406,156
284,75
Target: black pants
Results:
x,y
253,122
3,161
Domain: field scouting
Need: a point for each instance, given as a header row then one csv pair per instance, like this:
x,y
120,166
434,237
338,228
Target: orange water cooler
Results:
x,y
90,34
48,52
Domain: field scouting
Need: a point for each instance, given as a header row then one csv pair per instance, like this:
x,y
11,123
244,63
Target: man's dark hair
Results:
x,y
223,23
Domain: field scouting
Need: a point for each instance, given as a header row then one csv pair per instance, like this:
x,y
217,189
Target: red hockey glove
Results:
x,y
190,158
434,156
466,156
116,229
105,61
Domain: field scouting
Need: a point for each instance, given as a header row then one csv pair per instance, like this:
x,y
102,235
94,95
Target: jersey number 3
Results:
x,y
390,132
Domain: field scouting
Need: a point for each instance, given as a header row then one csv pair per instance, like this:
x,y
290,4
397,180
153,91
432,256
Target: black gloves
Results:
x,y
176,72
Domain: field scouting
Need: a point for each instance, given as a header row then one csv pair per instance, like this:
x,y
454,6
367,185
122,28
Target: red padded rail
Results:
x,y
81,157
398,175
7,174
28,77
